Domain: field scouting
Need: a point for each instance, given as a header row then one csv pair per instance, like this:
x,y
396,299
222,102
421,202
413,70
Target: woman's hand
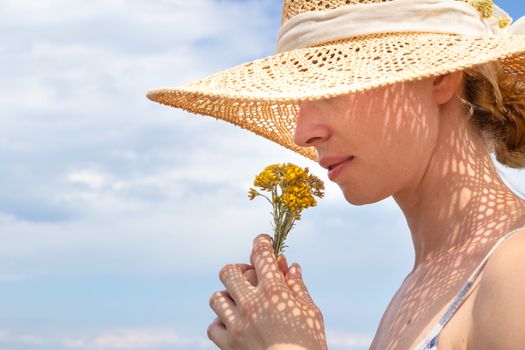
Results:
x,y
265,306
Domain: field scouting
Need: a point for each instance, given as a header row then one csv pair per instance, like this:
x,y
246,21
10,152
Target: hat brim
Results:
x,y
263,96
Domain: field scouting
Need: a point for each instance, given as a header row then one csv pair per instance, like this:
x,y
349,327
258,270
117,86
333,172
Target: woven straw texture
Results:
x,y
263,96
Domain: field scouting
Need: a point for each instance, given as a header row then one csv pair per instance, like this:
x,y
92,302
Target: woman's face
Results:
x,y
390,131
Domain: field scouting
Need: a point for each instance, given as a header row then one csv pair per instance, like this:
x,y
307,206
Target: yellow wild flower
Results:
x,y
253,193
268,178
292,189
488,9
503,22
484,7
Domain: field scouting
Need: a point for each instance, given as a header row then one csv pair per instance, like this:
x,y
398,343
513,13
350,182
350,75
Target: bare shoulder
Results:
x,y
498,315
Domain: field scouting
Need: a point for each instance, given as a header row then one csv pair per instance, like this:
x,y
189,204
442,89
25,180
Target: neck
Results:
x,y
460,201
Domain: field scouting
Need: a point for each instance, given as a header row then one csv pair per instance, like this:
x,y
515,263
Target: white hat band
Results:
x,y
434,16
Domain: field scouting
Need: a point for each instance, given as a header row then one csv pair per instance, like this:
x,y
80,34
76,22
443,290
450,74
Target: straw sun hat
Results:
x,y
327,48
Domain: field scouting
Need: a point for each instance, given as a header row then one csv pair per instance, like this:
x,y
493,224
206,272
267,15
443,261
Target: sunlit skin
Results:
x,y
265,305
411,141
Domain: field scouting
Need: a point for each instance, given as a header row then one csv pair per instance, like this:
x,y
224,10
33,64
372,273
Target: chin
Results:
x,y
362,198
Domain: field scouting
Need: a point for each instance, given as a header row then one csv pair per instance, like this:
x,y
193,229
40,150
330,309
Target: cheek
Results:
x,y
406,151
401,137
389,160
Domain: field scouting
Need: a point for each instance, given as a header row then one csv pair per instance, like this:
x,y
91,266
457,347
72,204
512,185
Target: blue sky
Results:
x,y
116,213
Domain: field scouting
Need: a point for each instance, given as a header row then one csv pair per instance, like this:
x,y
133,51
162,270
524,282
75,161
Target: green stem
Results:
x,y
281,231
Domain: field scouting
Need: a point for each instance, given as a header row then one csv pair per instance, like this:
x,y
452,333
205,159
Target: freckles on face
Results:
x,y
391,131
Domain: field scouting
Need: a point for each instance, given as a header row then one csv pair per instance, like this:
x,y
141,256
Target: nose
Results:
x,y
311,128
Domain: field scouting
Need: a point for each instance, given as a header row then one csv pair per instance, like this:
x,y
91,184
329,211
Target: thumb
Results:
x,y
294,280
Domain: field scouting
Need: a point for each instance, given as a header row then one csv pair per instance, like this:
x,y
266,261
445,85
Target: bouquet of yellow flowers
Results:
x,y
292,190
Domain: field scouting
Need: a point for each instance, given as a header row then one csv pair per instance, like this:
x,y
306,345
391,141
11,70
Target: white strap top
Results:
x,y
431,340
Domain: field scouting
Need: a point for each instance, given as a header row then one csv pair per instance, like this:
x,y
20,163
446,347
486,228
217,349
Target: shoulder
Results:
x,y
498,312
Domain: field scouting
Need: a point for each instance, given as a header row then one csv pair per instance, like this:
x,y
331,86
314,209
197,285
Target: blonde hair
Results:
x,y
496,104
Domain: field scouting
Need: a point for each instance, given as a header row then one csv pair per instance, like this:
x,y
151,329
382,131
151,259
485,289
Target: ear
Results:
x,y
447,85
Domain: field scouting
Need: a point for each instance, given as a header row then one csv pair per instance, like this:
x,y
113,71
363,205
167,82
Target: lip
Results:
x,y
335,169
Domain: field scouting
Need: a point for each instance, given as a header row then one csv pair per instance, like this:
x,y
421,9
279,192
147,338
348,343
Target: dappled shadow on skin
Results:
x,y
476,210
303,316
426,294
436,167
265,300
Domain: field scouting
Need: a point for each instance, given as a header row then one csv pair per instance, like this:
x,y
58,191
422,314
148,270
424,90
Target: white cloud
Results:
x,y
348,340
130,339
152,338
7,336
136,339
90,178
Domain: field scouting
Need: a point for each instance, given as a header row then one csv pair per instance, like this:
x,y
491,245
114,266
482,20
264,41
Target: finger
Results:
x,y
218,334
264,261
232,276
294,280
283,264
260,238
251,276
223,305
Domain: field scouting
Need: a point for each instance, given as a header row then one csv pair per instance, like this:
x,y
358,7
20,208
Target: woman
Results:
x,y
389,113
